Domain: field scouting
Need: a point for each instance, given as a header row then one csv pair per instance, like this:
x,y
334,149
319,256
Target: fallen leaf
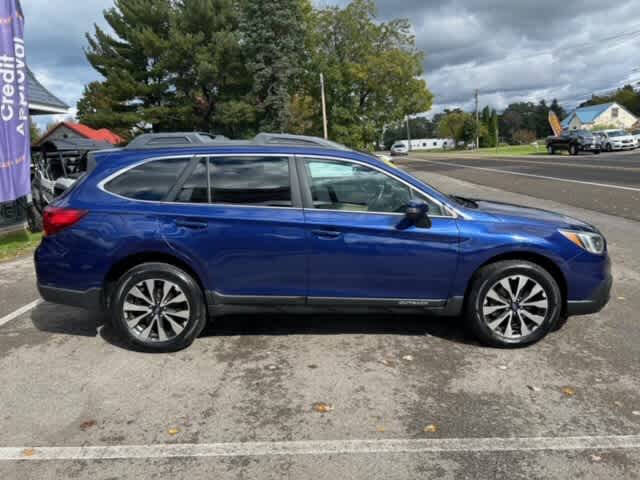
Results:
x,y
87,424
173,431
28,452
432,428
568,391
617,403
533,388
272,367
312,366
502,367
322,407
621,298
408,358
636,413
388,363
380,429
596,458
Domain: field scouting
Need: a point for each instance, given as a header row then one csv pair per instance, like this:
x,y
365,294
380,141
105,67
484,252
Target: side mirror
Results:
x,y
416,213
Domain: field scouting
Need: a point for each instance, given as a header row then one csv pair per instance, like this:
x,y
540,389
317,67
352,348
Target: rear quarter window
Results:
x,y
149,181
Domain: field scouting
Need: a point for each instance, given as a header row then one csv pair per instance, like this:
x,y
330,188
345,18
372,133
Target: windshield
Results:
x,y
617,133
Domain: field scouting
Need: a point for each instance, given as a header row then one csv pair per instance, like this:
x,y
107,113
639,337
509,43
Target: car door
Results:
x,y
240,218
358,248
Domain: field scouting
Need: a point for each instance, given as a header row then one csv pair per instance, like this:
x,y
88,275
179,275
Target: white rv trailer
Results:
x,y
428,143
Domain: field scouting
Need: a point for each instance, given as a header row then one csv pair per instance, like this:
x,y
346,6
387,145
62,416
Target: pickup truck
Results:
x,y
574,142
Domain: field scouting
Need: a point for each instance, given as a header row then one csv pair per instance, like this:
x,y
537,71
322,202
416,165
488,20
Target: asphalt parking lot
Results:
x,y
406,397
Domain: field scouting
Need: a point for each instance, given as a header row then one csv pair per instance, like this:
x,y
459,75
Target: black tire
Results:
x,y
596,152
486,278
573,150
159,271
551,150
608,147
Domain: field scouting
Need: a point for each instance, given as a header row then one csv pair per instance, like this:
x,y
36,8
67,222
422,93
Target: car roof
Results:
x,y
124,156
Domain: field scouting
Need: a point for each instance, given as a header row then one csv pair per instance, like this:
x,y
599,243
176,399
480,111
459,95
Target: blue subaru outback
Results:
x,y
175,229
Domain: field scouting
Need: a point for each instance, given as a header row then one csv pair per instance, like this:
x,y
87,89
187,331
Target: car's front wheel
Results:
x,y
158,307
551,150
513,303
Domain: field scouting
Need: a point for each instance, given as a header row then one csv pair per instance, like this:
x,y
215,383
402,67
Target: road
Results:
x,y
608,183
410,397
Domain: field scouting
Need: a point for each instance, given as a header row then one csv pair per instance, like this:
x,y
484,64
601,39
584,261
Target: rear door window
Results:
x,y
258,181
149,181
195,189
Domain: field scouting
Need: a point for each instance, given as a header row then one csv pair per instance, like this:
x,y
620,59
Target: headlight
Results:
x,y
591,242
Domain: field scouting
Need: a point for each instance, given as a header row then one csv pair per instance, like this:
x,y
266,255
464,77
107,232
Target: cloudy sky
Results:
x,y
510,50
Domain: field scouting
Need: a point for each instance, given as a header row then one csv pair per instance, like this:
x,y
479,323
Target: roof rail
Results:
x,y
175,139
189,139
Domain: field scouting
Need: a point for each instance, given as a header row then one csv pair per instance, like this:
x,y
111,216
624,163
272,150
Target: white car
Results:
x,y
399,148
636,135
617,140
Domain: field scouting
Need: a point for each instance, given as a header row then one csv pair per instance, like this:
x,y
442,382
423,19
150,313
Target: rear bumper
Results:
x,y
90,299
597,302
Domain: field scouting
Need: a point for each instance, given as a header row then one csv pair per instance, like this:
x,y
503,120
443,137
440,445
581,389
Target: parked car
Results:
x,y
164,238
636,135
574,142
617,140
399,148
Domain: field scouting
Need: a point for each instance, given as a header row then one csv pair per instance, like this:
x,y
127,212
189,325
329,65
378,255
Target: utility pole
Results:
x,y
477,123
324,108
408,134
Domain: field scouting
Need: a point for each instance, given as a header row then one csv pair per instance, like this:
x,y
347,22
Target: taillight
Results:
x,y
55,219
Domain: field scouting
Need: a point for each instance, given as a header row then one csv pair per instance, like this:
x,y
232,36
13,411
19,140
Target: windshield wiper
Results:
x,y
464,201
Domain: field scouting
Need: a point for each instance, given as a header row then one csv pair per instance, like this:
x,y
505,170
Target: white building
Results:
x,y
598,116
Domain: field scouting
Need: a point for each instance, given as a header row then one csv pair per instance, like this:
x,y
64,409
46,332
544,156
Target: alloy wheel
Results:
x,y
156,310
515,307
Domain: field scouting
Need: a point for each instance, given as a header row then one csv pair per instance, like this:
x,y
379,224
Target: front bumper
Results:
x,y
90,299
599,298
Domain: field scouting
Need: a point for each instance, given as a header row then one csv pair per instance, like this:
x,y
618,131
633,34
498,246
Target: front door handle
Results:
x,y
326,233
192,224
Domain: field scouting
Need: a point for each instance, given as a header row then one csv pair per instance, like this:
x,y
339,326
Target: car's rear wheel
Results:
x,y
608,147
573,150
513,304
158,307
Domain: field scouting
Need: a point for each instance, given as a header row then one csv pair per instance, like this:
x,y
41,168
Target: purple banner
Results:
x,y
15,143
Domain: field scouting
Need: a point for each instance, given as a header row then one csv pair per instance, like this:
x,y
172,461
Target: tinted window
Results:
x,y
251,181
195,189
149,181
348,186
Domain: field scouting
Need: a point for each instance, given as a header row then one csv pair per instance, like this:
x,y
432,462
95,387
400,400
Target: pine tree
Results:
x,y
136,92
211,80
493,130
274,36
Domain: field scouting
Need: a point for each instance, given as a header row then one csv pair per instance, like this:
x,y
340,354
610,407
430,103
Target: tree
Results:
x,y
372,72
137,86
452,125
493,130
35,131
207,64
274,41
524,136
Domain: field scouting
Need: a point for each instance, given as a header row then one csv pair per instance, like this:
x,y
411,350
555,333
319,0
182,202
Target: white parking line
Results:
x,y
20,311
322,447
488,169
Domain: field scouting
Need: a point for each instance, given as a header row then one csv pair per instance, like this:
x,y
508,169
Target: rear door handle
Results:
x,y
326,233
192,224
